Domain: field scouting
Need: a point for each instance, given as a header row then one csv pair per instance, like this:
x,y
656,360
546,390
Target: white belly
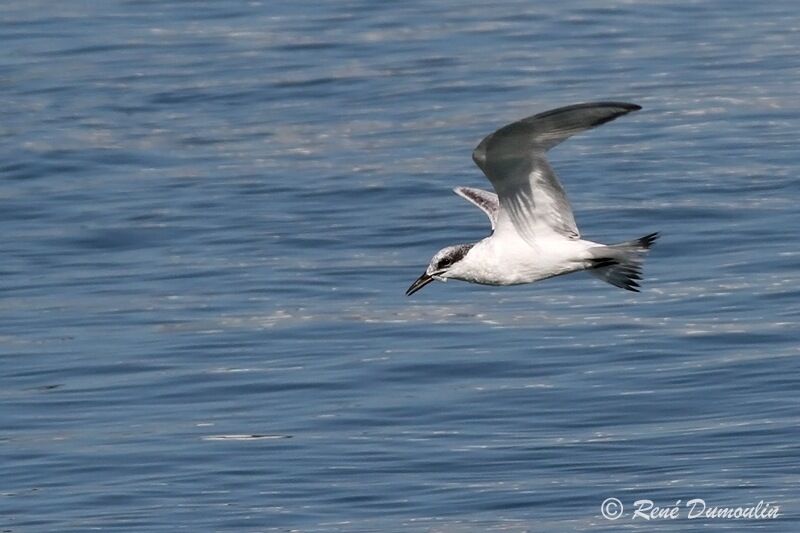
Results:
x,y
514,261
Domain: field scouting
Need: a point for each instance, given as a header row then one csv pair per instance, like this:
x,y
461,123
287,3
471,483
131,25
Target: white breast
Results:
x,y
510,260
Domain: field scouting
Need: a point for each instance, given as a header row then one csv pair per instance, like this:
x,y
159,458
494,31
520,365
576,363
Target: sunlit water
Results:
x,y
211,211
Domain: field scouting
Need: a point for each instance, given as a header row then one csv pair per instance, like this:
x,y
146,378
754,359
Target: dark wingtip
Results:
x,y
624,109
628,107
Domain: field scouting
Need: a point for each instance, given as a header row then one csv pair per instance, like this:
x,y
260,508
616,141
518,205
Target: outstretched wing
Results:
x,y
513,158
485,201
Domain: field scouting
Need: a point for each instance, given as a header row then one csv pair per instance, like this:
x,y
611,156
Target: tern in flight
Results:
x,y
534,235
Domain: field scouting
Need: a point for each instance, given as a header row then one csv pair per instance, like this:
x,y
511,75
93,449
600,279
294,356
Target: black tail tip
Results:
x,y
648,240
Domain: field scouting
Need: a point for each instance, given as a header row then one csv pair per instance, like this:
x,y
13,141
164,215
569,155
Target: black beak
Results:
x,y
419,283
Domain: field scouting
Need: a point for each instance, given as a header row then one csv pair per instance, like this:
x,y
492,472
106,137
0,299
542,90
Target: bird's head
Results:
x,y
441,266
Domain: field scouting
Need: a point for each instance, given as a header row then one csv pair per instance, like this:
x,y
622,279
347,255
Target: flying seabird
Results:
x,y
534,235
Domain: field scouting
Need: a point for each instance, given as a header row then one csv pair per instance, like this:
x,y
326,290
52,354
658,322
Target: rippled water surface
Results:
x,y
211,211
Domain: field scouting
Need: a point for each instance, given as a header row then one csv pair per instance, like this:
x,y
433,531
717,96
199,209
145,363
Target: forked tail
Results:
x,y
621,264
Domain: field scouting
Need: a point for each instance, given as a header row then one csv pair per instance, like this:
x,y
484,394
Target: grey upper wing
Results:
x,y
513,158
486,201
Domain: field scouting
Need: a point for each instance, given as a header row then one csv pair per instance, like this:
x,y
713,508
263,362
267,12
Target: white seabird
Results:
x,y
534,233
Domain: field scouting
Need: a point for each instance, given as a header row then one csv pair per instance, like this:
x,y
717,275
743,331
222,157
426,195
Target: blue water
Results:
x,y
211,211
